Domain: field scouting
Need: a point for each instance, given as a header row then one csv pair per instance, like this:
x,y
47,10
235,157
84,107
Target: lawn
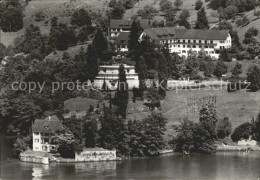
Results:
x,y
239,106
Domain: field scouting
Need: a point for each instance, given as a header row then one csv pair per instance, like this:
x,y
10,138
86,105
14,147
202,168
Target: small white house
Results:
x,y
42,131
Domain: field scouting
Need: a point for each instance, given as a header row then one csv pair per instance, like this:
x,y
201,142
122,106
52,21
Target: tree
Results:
x,y
216,4
153,141
253,77
243,131
21,144
250,34
112,3
198,4
91,132
237,69
75,126
220,69
62,37
257,128
54,21
121,97
92,63
135,129
2,51
224,128
204,131
184,140
100,43
178,4
142,74
117,11
224,56
11,16
153,98
80,17
202,21
183,19
148,12
162,76
135,32
67,144
113,133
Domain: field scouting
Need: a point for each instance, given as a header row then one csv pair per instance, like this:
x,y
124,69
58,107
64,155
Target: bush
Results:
x,y
21,144
244,131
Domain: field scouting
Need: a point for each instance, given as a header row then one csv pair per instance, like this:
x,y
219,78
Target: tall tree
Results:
x,y
153,141
135,32
162,75
121,96
113,133
142,73
92,63
253,77
100,42
202,21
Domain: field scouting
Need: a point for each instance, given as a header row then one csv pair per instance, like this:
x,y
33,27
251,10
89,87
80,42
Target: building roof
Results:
x,y
50,124
126,24
122,38
171,33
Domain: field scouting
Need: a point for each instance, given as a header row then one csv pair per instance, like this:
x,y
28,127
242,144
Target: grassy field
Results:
x,y
240,106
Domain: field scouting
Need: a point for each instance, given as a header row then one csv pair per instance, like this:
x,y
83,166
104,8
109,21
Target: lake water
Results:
x,y
221,166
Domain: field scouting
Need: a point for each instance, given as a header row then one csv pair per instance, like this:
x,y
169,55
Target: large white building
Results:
x,y
183,41
110,74
42,131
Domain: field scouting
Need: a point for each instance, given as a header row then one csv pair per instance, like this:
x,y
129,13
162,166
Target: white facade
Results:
x,y
122,48
41,142
115,32
183,46
110,73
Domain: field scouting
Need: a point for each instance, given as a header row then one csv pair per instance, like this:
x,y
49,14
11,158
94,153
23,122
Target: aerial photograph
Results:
x,y
130,89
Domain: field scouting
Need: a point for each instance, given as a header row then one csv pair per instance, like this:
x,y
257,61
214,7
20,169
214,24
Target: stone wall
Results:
x,y
96,154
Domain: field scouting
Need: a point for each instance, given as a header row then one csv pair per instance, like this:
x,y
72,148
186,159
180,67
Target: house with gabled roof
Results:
x,y
121,42
117,26
184,41
43,130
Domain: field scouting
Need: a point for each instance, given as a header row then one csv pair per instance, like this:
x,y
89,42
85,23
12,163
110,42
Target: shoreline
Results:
x,y
46,158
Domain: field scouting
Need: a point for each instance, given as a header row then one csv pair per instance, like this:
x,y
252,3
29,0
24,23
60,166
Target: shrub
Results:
x,y
244,131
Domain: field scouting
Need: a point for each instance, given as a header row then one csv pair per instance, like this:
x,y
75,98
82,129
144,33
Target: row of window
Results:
x,y
190,41
43,140
207,52
189,46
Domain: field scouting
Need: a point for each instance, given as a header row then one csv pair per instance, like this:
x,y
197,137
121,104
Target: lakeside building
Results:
x,y
117,26
184,41
43,130
110,74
